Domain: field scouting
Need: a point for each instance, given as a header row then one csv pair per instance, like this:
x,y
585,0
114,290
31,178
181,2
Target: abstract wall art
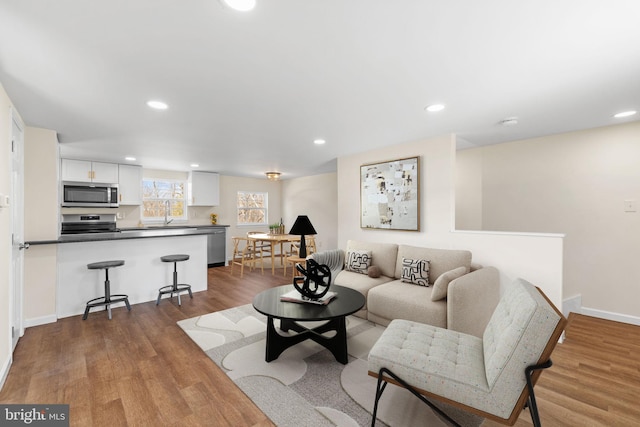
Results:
x,y
390,195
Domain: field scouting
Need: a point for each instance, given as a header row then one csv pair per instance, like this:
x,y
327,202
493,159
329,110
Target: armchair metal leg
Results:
x,y
379,389
533,407
404,384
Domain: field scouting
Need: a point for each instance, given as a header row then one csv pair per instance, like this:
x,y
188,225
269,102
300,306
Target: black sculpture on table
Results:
x,y
316,280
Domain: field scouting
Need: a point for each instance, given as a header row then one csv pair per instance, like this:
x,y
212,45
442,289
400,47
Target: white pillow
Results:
x,y
415,271
441,287
358,261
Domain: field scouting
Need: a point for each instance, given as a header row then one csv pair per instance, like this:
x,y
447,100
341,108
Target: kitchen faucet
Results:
x,y
167,207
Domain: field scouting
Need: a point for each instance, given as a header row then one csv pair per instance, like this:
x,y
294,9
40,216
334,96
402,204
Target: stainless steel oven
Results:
x,y
89,195
88,223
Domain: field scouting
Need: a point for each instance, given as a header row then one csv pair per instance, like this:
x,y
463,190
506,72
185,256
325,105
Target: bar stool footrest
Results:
x,y
106,302
174,289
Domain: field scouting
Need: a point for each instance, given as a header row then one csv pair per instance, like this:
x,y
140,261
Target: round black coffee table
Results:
x,y
346,302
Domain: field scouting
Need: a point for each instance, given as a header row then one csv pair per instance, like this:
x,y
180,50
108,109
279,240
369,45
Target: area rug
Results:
x,y
306,386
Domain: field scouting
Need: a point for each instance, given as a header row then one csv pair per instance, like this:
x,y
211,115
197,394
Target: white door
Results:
x,y
17,224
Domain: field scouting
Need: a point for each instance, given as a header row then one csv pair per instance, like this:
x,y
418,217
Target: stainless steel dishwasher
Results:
x,y
216,247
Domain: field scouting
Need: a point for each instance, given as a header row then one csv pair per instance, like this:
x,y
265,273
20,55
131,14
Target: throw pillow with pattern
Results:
x,y
358,261
415,271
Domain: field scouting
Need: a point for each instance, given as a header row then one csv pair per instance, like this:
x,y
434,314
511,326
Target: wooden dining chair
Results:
x,y
293,255
294,249
262,248
244,253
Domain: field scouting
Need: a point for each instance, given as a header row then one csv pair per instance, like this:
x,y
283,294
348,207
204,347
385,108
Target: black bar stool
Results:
x,y
175,288
107,299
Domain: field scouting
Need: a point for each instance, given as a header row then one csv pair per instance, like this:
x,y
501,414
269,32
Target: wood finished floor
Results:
x,y
140,369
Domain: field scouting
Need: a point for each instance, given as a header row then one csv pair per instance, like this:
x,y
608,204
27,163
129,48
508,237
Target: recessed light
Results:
x,y
625,114
194,165
241,5
434,108
131,159
157,105
319,141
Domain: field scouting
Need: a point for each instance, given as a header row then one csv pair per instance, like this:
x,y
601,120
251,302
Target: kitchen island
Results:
x,y
143,272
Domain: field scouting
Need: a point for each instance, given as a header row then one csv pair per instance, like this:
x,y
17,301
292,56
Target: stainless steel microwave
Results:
x,y
89,195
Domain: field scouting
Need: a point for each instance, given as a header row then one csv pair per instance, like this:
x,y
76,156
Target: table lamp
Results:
x,y
302,227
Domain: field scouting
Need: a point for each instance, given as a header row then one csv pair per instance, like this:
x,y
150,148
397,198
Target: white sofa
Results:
x,y
469,292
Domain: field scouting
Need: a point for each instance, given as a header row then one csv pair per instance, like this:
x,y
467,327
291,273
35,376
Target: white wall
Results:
x,y
469,190
227,212
573,183
40,223
5,234
537,258
317,197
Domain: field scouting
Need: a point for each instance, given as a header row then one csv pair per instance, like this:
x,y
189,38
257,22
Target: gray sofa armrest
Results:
x,y
471,300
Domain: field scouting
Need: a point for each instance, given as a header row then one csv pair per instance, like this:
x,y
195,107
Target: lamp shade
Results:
x,y
302,226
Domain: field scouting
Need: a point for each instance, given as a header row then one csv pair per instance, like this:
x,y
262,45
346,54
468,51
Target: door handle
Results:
x,y
22,246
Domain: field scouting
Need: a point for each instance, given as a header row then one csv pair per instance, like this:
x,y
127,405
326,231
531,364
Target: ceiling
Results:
x,y
248,92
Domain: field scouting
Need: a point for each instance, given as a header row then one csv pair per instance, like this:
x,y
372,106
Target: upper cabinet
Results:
x,y
204,189
130,184
87,171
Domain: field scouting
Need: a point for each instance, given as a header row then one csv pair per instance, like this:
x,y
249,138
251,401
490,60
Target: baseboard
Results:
x,y
573,304
607,315
36,321
5,370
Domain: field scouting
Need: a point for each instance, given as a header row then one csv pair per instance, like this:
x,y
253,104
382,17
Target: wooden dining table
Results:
x,y
274,240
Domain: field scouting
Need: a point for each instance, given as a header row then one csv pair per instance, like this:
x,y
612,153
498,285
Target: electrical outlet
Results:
x,y
630,206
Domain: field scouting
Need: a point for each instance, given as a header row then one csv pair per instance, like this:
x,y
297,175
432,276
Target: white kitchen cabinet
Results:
x,y
88,171
130,184
204,189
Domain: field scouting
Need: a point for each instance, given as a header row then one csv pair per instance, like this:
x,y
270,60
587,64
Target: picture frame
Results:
x,y
390,195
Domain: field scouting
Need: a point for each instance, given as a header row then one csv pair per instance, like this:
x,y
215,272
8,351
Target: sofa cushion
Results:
x,y
360,282
441,286
357,261
440,260
382,254
397,299
415,271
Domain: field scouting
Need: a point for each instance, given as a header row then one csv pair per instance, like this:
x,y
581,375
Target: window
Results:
x,y
163,197
252,208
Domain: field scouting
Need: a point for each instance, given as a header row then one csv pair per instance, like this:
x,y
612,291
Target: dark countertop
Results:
x,y
135,233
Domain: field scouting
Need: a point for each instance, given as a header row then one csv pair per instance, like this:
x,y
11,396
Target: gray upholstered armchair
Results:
x,y
492,376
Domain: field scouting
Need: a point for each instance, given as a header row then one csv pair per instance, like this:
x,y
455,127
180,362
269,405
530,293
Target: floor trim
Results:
x,y
36,321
